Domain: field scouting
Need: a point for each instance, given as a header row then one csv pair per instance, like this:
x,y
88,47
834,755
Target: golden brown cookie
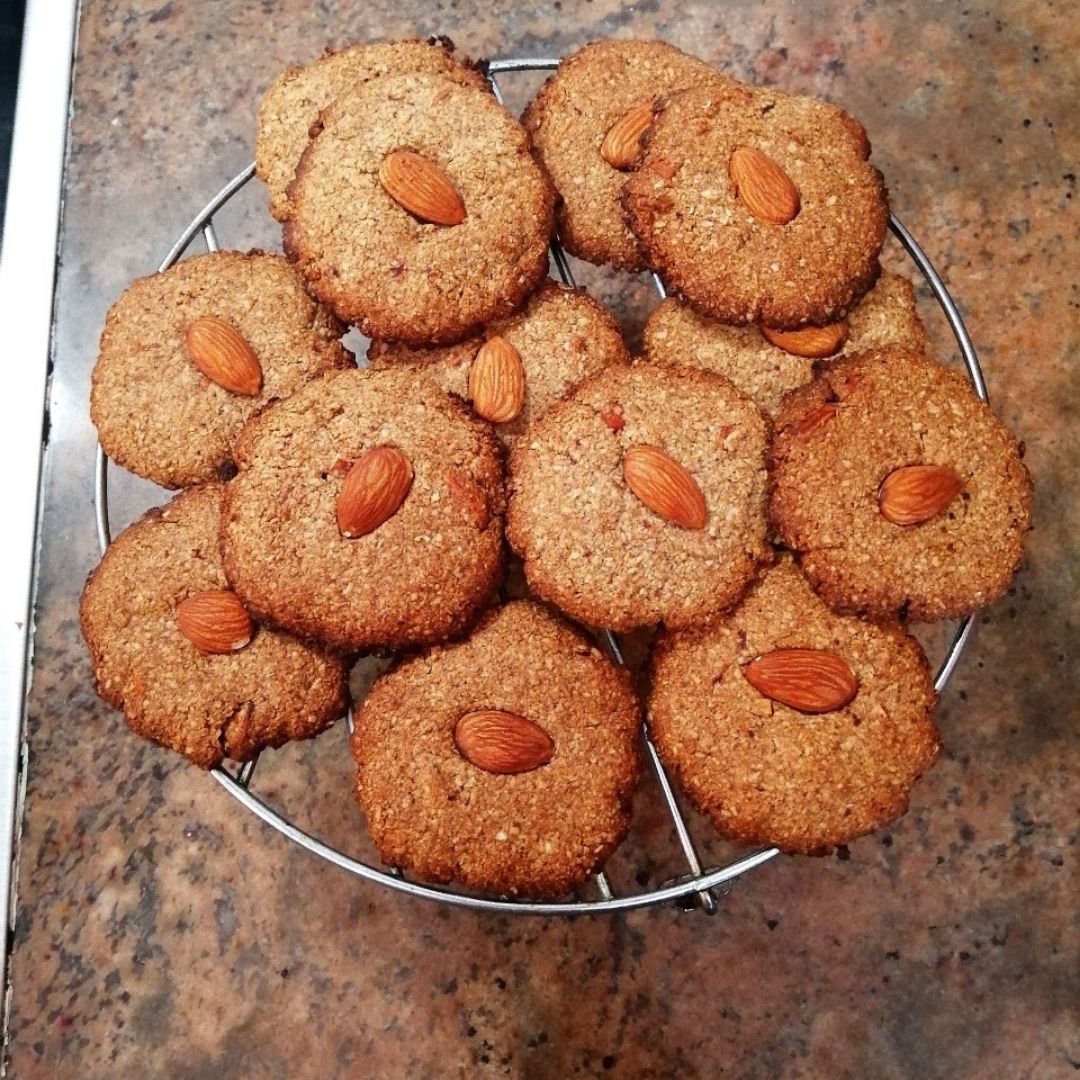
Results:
x,y
559,337
570,119
424,554
267,689
156,411
395,156
677,334
900,489
759,206
790,725
528,804
293,103
640,498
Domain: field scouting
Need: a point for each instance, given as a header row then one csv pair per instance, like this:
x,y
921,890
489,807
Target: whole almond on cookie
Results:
x,y
916,493
664,486
764,188
373,491
497,381
623,139
807,680
813,342
222,354
421,187
215,621
502,742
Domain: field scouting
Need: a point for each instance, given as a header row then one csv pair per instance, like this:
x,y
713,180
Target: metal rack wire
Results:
x,y
698,885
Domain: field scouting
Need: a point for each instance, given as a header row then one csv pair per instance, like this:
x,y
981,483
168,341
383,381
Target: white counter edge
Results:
x,y
28,264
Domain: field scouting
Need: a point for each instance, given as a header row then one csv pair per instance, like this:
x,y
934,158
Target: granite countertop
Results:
x,y
162,930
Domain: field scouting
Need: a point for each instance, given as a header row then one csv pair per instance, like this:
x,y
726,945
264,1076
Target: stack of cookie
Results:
x,y
784,401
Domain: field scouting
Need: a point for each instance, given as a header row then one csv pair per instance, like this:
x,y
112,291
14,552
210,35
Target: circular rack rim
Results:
x,y
697,883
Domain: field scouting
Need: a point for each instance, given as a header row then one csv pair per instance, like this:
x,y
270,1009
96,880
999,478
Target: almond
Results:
x,y
808,680
664,486
502,742
613,418
813,419
220,352
497,381
374,489
815,342
215,621
916,493
421,187
664,168
765,189
623,139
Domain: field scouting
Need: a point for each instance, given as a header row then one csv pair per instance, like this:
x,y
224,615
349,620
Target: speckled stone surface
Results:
x,y
163,931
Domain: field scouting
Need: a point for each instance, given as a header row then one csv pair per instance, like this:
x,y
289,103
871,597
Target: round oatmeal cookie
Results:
x,y
677,334
768,771
759,206
156,412
528,804
425,555
569,120
640,498
384,269
206,706
560,336
876,535
293,103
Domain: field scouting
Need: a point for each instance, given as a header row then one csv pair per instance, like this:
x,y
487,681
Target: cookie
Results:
x,y
874,534
155,410
758,206
391,272
293,103
640,498
750,755
560,336
569,120
205,706
677,334
438,783
418,575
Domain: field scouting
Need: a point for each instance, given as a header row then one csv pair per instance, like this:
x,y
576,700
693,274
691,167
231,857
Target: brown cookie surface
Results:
x,y
156,413
538,832
206,707
767,773
715,233
293,103
594,547
837,441
561,336
419,576
569,120
677,334
381,267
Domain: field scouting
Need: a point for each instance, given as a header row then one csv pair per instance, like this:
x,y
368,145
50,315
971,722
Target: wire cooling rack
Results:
x,y
698,885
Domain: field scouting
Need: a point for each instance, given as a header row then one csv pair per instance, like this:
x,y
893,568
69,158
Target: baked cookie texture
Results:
x,y
700,235
293,103
569,119
836,441
677,334
156,413
378,266
538,833
765,773
421,576
207,708
592,547
561,335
